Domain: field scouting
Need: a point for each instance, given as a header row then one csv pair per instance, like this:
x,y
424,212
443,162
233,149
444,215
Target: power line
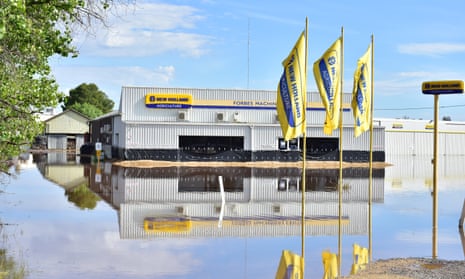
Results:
x,y
418,108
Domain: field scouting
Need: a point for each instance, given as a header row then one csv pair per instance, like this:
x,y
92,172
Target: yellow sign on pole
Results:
x,y
442,87
437,88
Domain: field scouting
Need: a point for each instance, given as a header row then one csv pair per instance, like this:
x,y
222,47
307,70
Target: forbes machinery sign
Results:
x,y
168,101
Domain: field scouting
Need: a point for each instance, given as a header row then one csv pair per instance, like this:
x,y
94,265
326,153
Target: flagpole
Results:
x,y
340,151
304,151
370,181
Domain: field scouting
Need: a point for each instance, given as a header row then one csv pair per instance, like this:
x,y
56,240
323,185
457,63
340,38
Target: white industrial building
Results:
x,y
416,137
188,124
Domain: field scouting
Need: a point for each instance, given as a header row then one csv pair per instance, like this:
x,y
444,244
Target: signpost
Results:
x,y
437,88
98,151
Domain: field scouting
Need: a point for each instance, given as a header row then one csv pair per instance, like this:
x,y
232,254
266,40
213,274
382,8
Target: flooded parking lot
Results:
x,y
65,219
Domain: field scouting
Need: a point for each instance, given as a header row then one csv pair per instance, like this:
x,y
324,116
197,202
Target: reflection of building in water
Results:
x,y
24,161
408,171
61,168
187,201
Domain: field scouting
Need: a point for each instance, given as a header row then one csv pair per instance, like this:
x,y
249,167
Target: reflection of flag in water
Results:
x,y
292,89
359,258
327,73
290,266
330,265
361,94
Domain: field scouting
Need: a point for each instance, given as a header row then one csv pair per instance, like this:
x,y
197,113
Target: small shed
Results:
x,y
67,130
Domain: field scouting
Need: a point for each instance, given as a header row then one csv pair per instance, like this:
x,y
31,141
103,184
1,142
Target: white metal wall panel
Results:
x,y
400,143
167,136
56,141
133,106
265,137
421,143
79,143
67,122
424,143
454,143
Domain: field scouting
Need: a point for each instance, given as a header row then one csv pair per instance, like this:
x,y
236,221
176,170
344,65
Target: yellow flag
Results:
x,y
361,94
290,266
327,73
292,89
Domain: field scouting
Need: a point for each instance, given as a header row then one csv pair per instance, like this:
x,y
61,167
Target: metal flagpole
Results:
x,y
435,177
304,151
370,176
340,151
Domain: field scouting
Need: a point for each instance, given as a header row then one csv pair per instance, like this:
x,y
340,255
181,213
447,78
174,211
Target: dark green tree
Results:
x,y
86,96
88,110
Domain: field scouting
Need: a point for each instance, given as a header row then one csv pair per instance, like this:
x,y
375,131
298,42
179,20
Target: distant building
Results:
x,y
416,137
189,124
46,114
67,130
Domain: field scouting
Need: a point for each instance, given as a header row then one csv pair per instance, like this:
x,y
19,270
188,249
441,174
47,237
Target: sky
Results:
x,y
240,44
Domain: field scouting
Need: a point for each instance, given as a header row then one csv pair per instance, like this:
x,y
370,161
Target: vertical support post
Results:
x,y
370,175
462,234
462,217
435,178
304,154
341,154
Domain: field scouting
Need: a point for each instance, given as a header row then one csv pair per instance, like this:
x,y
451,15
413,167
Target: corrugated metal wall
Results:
x,y
256,137
79,143
68,122
421,143
56,141
133,106
165,135
160,128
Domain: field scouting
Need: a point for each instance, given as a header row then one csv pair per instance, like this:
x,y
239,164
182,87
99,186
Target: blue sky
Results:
x,y
241,44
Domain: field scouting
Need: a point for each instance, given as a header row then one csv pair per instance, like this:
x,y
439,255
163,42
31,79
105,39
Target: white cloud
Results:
x,y
148,29
105,253
399,83
431,49
424,237
110,79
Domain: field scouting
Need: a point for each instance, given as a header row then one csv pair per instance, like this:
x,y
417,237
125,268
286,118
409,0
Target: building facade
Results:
x,y
416,137
188,124
67,130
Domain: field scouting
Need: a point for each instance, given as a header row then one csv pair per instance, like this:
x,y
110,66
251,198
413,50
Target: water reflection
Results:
x,y
173,213
65,170
259,202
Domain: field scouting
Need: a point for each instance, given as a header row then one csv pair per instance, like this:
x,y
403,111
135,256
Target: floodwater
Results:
x,y
65,219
